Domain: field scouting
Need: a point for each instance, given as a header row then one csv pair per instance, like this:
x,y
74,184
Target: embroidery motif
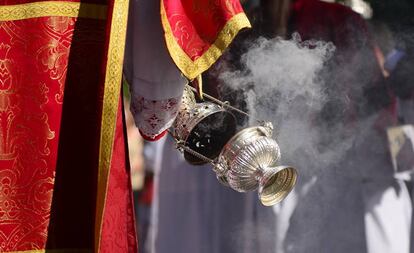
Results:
x,y
154,117
52,8
28,146
53,57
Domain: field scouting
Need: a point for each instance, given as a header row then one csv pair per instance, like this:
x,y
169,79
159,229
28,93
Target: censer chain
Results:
x,y
224,104
181,146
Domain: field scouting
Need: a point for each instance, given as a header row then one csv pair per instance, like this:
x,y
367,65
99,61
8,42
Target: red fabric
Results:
x,y
118,228
147,193
14,2
118,232
196,24
314,19
51,86
156,138
73,208
32,78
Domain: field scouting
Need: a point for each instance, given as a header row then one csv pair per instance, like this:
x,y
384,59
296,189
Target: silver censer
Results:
x,y
245,160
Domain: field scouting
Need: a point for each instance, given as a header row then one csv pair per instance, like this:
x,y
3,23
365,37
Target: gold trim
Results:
x,y
52,251
191,69
28,251
199,79
52,9
112,90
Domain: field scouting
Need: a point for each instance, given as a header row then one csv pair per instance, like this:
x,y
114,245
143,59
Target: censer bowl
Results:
x,y
204,128
245,161
248,162
210,133
277,184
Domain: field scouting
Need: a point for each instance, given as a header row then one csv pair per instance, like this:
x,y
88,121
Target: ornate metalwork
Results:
x,y
245,161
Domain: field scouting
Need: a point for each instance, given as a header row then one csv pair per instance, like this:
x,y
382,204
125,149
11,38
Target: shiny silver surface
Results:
x,y
248,162
276,184
204,127
245,161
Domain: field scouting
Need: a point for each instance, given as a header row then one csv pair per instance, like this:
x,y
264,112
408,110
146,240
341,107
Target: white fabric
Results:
x,y
194,213
156,84
406,111
387,217
154,116
386,201
283,212
412,222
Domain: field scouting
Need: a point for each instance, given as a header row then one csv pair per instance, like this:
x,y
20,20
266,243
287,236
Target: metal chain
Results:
x,y
181,146
224,104
195,153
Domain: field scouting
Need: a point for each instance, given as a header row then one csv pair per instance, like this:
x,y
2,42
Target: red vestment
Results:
x,y
64,174
64,183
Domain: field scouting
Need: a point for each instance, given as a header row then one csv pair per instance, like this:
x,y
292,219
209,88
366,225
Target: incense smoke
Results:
x,y
282,83
291,84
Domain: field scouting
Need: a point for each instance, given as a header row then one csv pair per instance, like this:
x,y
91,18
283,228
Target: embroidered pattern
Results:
x,y
153,117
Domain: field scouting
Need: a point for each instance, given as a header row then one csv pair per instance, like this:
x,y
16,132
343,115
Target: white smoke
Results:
x,y
281,83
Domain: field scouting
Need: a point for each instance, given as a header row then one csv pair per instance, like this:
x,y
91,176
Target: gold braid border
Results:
x,y
52,9
53,251
191,69
28,251
57,9
112,90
